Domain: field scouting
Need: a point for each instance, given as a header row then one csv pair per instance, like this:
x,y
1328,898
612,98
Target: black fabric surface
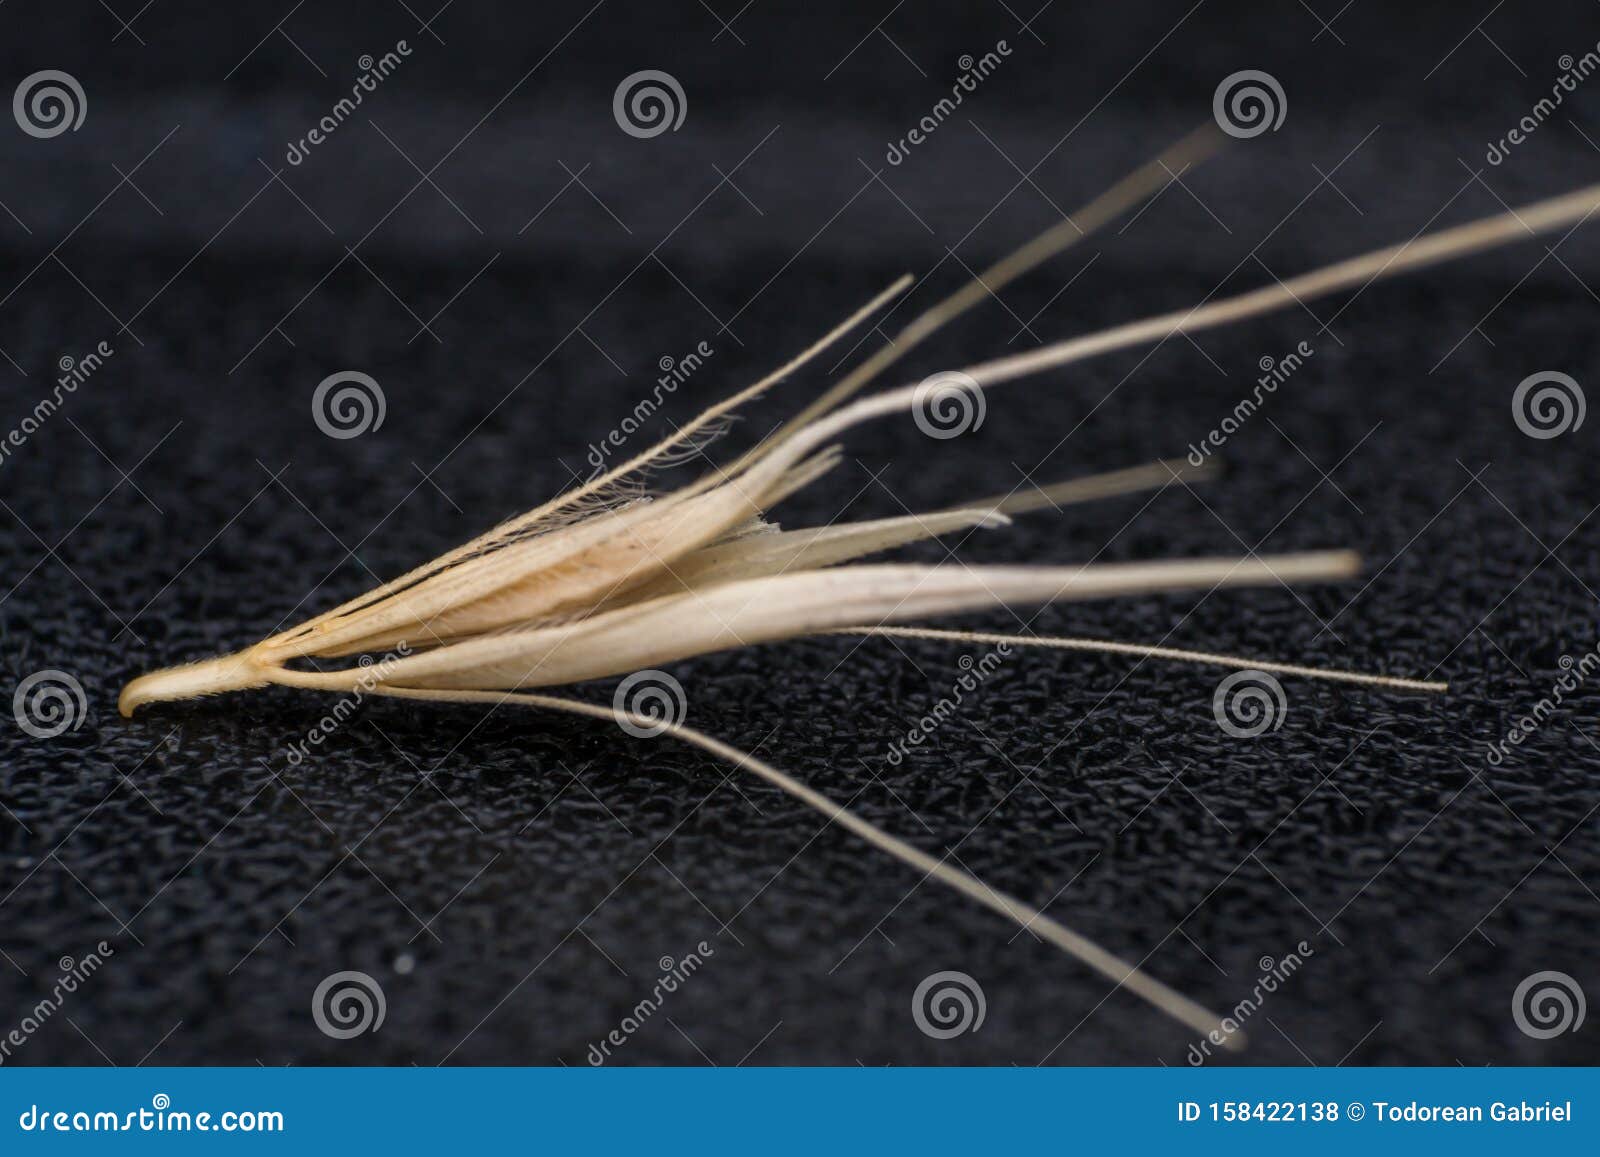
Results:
x,y
512,879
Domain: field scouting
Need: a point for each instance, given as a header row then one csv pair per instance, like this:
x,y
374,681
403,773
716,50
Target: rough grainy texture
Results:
x,y
513,879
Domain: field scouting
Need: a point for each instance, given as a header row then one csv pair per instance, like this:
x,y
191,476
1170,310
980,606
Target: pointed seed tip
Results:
x,y
206,677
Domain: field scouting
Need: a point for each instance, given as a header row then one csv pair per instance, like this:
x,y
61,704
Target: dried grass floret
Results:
x,y
609,579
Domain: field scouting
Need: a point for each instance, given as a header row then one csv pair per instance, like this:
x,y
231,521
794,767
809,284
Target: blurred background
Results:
x,y
512,263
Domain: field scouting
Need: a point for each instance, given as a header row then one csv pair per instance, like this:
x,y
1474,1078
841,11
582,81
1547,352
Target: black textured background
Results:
x,y
511,879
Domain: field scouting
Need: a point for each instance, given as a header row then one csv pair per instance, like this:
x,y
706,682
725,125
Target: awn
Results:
x,y
605,580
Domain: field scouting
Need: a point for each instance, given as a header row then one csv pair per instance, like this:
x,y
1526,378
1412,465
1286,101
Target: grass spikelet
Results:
x,y
608,579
